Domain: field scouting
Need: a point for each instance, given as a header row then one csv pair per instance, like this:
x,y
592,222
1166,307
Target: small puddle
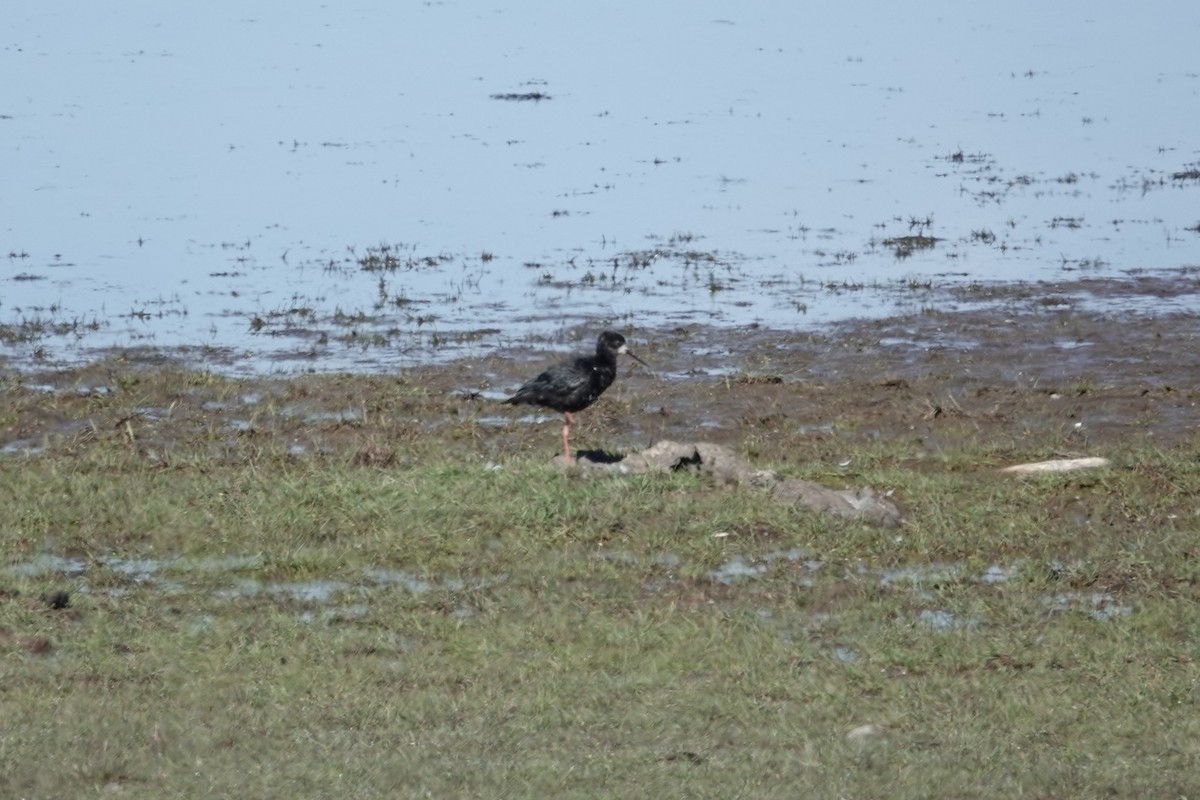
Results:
x,y
319,417
139,570
941,620
998,573
22,447
1097,605
493,420
313,591
919,575
736,569
47,564
846,655
740,567
486,394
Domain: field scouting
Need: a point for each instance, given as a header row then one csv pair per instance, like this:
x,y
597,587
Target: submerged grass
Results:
x,y
244,617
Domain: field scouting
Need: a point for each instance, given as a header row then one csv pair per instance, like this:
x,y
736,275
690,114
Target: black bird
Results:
x,y
574,385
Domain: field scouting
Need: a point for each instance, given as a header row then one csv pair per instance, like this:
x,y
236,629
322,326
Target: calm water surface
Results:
x,y
313,186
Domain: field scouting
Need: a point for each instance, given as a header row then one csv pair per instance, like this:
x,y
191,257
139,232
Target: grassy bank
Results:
x,y
203,597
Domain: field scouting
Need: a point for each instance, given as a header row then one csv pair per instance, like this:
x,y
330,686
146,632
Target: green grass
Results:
x,y
469,623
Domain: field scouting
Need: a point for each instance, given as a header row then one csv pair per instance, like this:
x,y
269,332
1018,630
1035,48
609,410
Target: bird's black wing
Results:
x,y
561,387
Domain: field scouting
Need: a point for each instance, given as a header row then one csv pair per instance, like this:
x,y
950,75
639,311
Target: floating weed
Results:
x,y
521,97
983,236
905,246
1190,173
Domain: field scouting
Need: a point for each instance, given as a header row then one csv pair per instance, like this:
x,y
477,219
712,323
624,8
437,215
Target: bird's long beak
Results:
x,y
624,349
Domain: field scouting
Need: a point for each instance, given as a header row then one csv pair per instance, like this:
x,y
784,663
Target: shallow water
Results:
x,y
313,187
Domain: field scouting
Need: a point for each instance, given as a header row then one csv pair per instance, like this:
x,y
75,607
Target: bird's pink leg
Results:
x,y
566,435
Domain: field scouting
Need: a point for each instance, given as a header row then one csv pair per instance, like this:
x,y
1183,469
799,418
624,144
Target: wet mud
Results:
x,y
1056,378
